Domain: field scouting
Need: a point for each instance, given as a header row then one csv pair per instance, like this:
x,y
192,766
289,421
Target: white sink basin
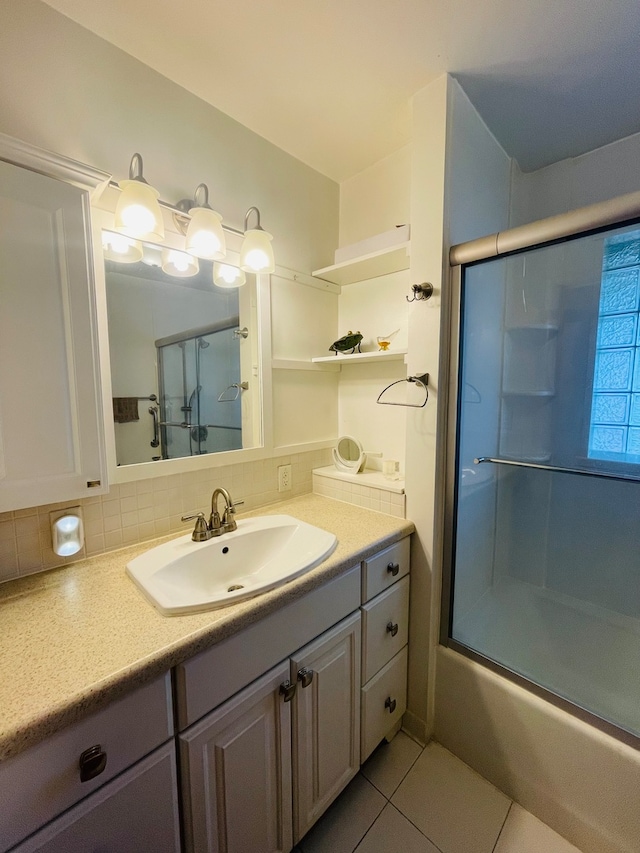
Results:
x,y
183,576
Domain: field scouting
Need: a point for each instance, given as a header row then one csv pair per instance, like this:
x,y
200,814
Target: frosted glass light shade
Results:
x,y
205,237
138,213
256,254
224,275
117,247
179,264
67,534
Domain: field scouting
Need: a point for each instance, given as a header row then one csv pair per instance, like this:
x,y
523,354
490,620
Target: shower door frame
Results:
x,y
619,212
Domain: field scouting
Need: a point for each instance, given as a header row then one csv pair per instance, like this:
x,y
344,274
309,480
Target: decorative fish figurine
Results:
x,y
350,341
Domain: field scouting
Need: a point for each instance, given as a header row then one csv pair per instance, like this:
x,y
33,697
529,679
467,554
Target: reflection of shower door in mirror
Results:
x,y
200,397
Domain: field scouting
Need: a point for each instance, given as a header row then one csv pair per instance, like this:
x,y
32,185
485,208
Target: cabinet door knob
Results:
x,y
390,704
393,569
392,628
305,676
288,690
92,762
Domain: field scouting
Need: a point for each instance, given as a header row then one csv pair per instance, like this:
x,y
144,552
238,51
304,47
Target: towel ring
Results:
x,y
239,386
421,380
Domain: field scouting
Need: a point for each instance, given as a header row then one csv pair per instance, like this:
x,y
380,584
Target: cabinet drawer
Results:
x,y
44,780
385,568
136,811
385,627
210,678
379,713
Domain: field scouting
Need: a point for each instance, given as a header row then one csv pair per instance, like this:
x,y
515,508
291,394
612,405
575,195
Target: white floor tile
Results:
x,y
458,810
524,833
344,824
392,831
391,762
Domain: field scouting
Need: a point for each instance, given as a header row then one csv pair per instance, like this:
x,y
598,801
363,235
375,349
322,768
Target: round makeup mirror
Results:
x,y
348,455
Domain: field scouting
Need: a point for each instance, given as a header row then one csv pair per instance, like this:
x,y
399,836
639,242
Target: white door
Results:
x,y
236,765
326,739
51,445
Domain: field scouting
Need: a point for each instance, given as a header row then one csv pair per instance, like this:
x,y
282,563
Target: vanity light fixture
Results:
x,y
138,212
139,216
179,264
224,275
204,235
256,253
117,247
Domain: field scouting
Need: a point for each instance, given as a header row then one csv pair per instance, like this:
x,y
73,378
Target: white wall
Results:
x,y
376,199
373,201
599,175
459,190
303,323
67,90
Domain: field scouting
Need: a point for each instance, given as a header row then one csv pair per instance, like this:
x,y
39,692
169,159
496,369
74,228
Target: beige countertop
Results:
x,y
76,637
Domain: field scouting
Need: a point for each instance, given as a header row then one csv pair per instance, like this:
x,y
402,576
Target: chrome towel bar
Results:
x,y
538,467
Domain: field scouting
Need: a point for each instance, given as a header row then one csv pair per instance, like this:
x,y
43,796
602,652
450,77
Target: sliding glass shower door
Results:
x,y
545,534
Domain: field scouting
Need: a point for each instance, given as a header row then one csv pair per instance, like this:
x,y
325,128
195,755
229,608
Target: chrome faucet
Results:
x,y
217,524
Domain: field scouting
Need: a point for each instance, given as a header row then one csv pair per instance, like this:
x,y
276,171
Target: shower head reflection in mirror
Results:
x,y
172,335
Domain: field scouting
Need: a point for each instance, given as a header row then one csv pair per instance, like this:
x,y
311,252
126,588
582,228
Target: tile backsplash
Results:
x,y
145,509
368,490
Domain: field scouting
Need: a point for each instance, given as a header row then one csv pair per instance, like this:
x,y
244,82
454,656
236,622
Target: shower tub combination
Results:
x,y
538,671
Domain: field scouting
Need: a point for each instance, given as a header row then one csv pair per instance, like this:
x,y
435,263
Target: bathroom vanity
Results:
x,y
273,705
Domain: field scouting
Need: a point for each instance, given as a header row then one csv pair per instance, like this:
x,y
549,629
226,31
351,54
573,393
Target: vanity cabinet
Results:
x,y
93,785
261,768
51,431
273,722
385,634
136,811
263,754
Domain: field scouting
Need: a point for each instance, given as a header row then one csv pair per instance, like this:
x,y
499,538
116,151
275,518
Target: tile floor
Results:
x,y
407,799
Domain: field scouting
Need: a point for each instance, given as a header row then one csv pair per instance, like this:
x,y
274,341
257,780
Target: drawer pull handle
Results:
x,y
392,628
390,704
92,762
288,690
393,569
305,676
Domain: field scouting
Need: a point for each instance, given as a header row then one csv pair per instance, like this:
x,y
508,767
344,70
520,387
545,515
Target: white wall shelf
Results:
x,y
300,364
372,265
360,357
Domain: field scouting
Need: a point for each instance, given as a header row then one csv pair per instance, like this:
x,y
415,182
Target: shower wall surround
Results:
x,y
145,509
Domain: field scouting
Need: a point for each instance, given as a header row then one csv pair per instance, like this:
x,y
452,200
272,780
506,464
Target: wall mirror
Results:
x,y
182,352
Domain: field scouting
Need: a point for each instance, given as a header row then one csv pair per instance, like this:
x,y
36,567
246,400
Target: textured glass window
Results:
x,y
615,408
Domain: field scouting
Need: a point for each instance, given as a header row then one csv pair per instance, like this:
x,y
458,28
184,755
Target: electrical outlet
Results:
x,y
284,478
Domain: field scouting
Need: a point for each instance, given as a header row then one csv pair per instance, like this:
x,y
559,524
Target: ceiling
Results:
x,y
330,81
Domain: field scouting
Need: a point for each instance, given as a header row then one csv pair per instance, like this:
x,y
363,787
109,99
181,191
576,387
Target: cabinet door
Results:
x,y
138,810
326,720
51,445
236,767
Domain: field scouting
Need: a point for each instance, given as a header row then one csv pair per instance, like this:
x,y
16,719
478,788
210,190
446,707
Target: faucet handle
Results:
x,y
229,523
200,532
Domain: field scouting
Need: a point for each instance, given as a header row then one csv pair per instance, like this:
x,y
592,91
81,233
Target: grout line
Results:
x,y
506,818
408,819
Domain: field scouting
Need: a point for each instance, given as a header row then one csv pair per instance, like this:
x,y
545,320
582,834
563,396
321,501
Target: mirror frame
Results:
x,y
348,466
103,204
